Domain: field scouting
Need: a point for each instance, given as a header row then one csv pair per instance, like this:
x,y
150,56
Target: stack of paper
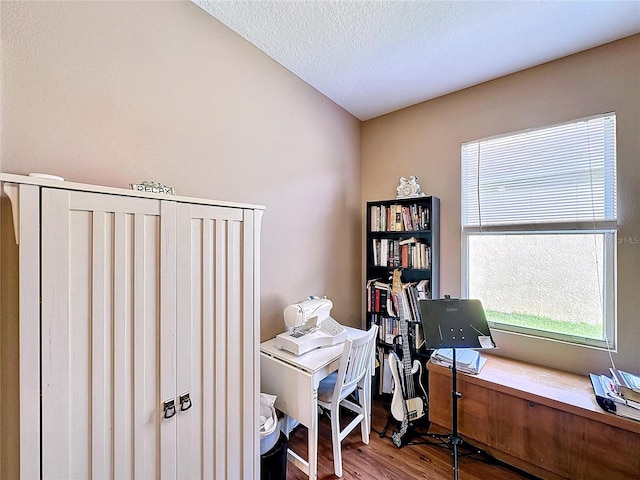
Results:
x,y
628,384
609,398
467,360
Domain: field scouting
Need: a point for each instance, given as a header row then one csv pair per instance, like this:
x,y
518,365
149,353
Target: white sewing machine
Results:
x,y
309,326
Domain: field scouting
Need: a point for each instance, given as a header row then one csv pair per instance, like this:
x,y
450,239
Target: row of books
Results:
x,y
383,312
399,218
467,360
389,331
379,297
388,328
619,394
406,253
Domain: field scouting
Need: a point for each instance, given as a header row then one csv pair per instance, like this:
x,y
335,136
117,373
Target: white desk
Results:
x,y
294,380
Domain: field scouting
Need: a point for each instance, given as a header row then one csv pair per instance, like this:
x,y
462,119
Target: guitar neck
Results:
x,y
406,351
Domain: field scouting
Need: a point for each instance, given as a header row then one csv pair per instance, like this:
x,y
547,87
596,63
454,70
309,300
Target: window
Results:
x,y
539,230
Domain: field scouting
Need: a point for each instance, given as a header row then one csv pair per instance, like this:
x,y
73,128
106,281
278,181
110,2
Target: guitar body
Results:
x,y
416,407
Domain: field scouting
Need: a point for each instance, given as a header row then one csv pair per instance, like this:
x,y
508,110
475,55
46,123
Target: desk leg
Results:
x,y
310,465
312,437
365,426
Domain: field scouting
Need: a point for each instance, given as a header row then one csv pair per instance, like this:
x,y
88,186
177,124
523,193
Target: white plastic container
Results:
x,y
269,431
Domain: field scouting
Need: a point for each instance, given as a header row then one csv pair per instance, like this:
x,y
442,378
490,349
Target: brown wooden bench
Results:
x,y
543,421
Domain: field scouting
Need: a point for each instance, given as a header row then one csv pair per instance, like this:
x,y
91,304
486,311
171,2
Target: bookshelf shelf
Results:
x,y
401,233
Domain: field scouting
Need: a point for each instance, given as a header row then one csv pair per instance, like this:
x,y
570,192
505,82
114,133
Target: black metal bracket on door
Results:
x,y
185,402
169,408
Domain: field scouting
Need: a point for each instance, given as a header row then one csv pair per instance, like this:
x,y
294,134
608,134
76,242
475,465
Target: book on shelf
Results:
x,y
385,378
378,298
396,218
370,291
404,256
610,400
411,293
396,255
390,328
408,241
423,289
409,298
418,336
407,219
375,251
627,383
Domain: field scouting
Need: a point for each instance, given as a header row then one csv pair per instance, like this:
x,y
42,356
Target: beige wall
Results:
x,y
425,140
118,92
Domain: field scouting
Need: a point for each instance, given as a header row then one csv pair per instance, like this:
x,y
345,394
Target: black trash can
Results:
x,y
273,464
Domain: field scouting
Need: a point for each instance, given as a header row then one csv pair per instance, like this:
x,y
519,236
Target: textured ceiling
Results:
x,y
375,57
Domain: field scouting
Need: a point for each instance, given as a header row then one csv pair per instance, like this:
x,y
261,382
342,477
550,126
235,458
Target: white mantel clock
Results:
x,y
409,188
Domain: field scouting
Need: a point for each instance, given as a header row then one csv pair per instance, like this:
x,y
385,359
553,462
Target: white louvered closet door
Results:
x,y
217,340
104,308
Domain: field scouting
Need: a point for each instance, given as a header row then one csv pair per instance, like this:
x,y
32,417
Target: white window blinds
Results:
x,y
552,178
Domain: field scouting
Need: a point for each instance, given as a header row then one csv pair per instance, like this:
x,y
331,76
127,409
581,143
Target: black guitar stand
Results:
x,y
413,430
390,420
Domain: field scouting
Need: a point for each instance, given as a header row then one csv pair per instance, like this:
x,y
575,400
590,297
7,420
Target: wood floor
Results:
x,y
381,459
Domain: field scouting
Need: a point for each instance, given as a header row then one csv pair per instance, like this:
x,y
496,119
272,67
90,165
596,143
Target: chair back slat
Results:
x,y
355,362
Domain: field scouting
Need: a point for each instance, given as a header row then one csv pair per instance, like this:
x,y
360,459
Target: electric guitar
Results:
x,y
407,403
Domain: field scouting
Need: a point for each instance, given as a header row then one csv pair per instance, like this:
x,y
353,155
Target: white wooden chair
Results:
x,y
354,374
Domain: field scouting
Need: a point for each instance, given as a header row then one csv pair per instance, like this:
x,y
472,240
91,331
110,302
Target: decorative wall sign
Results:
x,y
153,187
409,188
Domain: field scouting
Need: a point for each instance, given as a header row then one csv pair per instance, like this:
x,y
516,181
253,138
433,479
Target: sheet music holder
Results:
x,y
454,323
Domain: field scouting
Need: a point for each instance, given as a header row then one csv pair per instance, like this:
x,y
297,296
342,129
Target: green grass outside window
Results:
x,y
544,323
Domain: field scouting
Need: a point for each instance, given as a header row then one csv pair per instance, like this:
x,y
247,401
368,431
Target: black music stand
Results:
x,y
454,323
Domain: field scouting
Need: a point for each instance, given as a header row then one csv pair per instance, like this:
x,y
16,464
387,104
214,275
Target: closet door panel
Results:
x,y
25,200
58,420
251,338
168,372
146,411
234,366
100,329
194,277
122,343
210,341
100,324
222,421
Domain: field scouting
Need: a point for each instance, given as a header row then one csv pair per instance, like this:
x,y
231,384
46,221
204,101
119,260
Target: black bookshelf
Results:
x,y
412,223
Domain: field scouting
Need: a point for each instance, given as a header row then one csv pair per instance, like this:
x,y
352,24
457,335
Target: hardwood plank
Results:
x,y
381,459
